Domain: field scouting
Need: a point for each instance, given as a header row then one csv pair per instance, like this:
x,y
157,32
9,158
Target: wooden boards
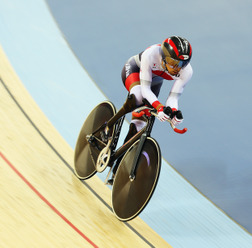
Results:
x,y
43,204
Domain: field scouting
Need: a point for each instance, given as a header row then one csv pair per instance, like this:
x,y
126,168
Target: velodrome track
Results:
x,y
43,204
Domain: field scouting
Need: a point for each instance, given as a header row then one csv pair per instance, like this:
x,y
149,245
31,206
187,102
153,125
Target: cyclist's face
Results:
x,y
173,70
173,66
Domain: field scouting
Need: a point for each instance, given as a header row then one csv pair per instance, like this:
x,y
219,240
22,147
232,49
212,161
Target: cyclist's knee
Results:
x,y
139,123
136,90
132,131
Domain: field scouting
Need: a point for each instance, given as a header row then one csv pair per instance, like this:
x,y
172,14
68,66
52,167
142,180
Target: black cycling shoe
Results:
x,y
110,181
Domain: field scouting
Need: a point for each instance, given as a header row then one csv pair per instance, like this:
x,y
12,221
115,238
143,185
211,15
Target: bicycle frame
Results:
x,y
117,121
119,152
142,135
97,148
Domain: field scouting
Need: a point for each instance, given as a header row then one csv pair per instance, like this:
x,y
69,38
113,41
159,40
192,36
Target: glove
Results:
x,y
174,114
161,115
177,117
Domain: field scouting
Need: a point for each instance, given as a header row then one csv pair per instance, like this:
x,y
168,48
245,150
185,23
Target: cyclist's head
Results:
x,y
176,53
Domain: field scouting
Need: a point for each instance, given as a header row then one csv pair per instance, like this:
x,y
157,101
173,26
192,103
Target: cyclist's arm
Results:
x,y
147,92
146,80
178,87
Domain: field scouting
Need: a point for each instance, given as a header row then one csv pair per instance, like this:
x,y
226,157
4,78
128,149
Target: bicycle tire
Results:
x,y
129,198
85,153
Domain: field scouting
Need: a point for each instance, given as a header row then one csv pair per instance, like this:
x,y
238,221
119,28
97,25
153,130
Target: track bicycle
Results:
x,y
138,172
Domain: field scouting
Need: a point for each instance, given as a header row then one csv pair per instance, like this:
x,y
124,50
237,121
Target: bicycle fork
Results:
x,y
140,148
137,157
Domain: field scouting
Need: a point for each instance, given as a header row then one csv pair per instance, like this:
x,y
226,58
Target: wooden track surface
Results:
x,y
43,204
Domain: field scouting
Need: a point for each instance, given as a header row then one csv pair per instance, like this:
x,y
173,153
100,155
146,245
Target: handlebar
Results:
x,y
139,112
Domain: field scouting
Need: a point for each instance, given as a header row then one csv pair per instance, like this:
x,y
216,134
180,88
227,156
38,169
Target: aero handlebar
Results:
x,y
139,112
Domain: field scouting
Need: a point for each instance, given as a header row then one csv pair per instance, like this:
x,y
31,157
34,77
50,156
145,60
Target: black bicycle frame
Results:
x,y
117,120
142,135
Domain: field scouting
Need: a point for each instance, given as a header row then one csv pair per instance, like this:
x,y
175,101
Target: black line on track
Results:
x,y
66,163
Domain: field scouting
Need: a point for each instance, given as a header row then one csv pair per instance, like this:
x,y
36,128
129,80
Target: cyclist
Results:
x,y
143,76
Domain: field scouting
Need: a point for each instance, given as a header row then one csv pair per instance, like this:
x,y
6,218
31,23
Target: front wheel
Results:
x,y
87,152
129,198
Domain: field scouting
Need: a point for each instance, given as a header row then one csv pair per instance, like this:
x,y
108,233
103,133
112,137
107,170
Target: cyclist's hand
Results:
x,y
177,117
161,115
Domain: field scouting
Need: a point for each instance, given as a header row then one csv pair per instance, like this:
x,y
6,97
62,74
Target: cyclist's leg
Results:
x,y
130,74
131,81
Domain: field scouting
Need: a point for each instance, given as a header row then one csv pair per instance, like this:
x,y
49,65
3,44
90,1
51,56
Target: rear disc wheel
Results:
x,y
87,152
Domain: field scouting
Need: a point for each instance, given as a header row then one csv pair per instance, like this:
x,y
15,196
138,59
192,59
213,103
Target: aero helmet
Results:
x,y
178,50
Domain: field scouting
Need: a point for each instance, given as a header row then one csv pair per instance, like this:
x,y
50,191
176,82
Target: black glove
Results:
x,y
175,115
173,112
178,114
168,111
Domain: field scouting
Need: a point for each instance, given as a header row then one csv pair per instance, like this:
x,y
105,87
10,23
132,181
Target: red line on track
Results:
x,y
46,201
